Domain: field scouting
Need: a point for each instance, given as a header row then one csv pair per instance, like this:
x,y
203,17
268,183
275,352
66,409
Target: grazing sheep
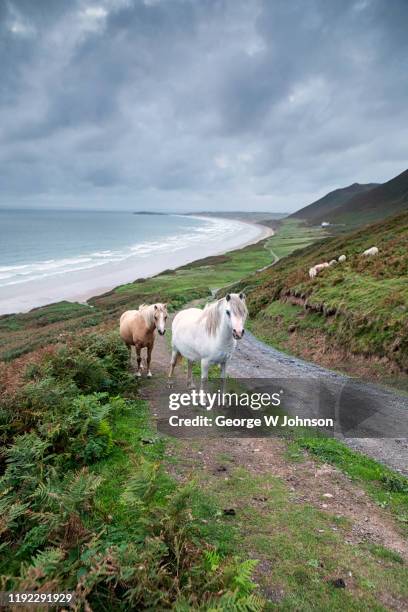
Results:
x,y
370,252
333,262
314,271
342,258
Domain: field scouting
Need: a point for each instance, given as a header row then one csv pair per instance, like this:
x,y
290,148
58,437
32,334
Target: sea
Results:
x,y
41,244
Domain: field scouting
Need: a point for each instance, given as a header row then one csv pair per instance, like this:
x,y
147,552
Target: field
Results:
x,y
93,501
352,317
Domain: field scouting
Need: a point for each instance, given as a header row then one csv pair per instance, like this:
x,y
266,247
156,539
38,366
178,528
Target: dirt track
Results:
x,y
384,413
308,481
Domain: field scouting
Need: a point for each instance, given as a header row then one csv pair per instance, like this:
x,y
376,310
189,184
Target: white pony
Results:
x,y
208,335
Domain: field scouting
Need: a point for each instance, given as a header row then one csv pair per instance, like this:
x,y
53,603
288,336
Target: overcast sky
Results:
x,y
199,104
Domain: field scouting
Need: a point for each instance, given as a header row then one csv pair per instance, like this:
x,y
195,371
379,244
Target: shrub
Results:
x,y
54,532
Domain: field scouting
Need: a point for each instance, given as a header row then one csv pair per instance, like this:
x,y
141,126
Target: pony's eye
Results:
x,y
228,313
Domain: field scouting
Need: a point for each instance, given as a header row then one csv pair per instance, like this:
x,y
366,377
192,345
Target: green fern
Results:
x,y
143,486
242,581
212,560
233,602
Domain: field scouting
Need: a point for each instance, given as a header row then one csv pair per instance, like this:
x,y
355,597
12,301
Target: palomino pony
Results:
x,y
137,329
208,335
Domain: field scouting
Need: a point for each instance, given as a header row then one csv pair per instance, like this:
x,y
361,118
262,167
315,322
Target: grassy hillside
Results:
x,y
322,209
379,203
359,204
357,308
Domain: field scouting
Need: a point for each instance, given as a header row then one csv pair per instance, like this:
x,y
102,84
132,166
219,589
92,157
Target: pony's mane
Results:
x,y
212,313
147,312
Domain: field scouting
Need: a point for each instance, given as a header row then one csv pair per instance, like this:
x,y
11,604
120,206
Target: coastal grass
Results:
x,y
303,553
387,488
292,235
357,308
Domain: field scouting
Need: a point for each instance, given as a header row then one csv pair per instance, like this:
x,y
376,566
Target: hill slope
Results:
x,y
357,204
321,209
356,308
387,199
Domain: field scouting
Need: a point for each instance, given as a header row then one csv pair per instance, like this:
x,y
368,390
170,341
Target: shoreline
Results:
x,y
265,232
24,297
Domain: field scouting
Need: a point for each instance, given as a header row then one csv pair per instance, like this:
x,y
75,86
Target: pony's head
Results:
x,y
160,317
236,312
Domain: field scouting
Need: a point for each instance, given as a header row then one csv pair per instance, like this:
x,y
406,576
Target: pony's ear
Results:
x,y
155,306
228,297
242,296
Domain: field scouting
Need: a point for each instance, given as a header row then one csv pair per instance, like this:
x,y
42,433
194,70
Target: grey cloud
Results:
x,y
199,103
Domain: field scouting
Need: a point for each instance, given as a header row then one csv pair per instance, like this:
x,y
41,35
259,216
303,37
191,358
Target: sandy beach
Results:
x,y
81,285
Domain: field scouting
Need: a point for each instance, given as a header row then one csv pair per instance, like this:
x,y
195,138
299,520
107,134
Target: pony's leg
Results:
x,y
139,361
223,366
205,366
173,361
149,358
131,350
190,382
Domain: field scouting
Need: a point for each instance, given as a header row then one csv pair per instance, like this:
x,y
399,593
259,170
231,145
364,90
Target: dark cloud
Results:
x,y
199,103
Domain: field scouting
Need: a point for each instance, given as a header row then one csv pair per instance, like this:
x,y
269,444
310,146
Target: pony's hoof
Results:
x,y
149,375
138,375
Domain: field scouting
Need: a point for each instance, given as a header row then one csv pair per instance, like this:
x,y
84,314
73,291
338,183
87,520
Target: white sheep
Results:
x,y
333,262
370,252
342,258
314,271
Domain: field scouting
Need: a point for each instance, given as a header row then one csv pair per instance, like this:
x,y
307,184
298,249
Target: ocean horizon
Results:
x,y
39,243
47,255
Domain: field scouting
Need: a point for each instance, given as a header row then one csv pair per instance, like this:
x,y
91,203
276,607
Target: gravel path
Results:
x,y
374,408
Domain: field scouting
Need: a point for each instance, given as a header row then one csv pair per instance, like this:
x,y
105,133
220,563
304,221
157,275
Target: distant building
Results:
x,y
325,224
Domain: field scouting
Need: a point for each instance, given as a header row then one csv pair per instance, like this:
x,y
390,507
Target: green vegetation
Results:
x,y
387,488
85,504
293,235
358,307
322,209
357,205
304,551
